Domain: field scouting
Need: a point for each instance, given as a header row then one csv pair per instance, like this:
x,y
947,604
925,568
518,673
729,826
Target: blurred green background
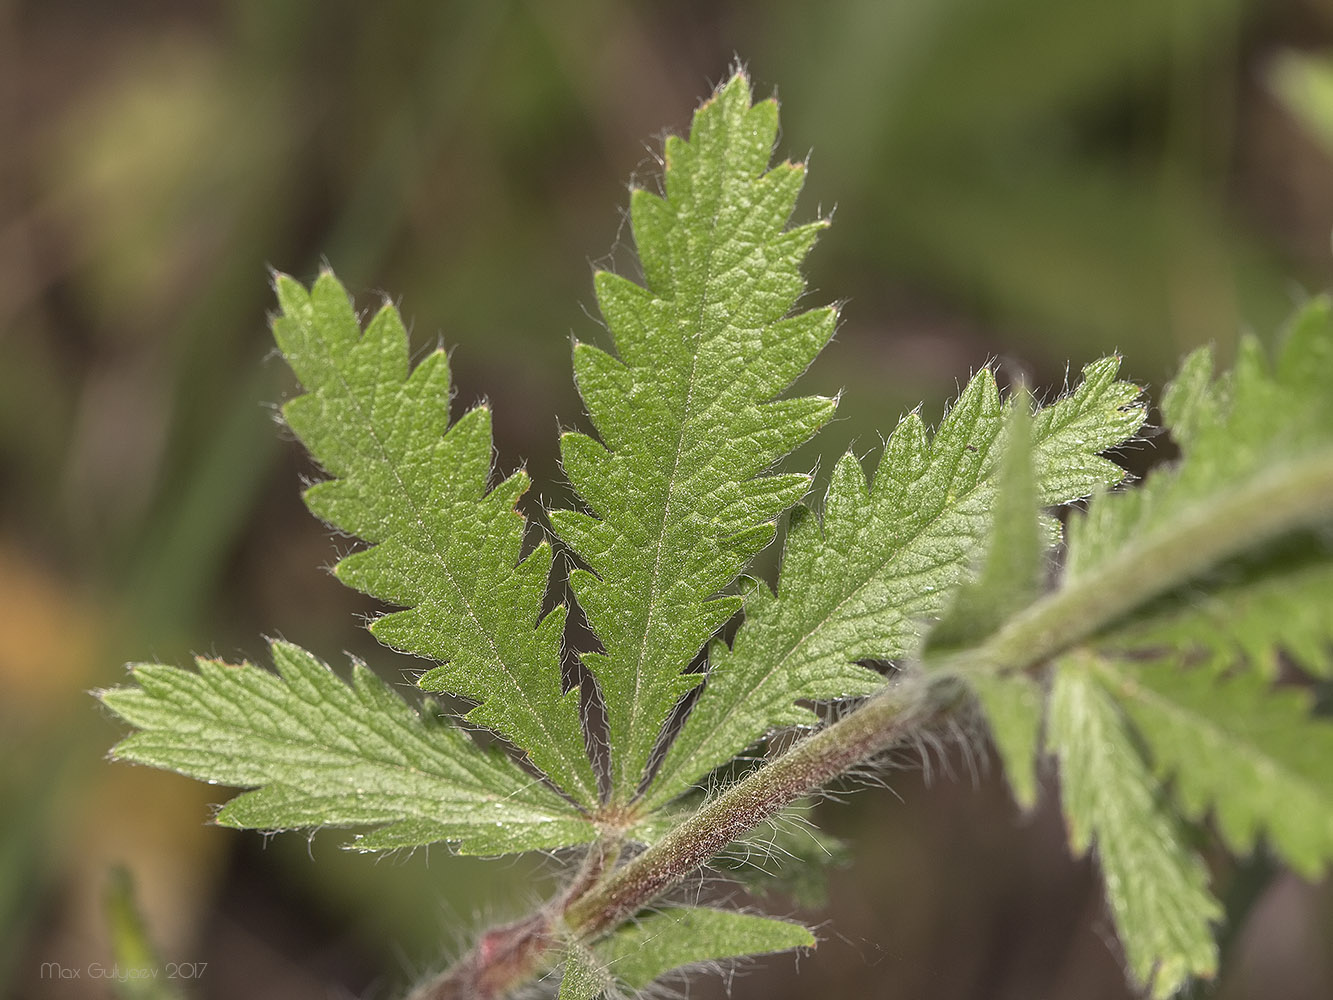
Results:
x,y
1037,181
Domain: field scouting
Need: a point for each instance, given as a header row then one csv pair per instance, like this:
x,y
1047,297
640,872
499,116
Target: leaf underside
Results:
x,y
318,751
1257,421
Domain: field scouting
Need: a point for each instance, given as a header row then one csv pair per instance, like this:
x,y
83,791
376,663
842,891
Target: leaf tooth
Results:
x,y
789,345
628,311
427,392
847,502
384,349
606,387
466,452
760,122
762,499
293,298
585,534
154,678
741,547
790,422
963,442
503,497
1305,361
652,220
776,192
340,502
728,129
1189,401
333,317
599,605
587,464
304,413
905,459
294,332
679,154
536,567
979,399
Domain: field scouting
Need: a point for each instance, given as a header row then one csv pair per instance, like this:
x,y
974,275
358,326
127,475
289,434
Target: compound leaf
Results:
x,y
318,751
688,413
442,545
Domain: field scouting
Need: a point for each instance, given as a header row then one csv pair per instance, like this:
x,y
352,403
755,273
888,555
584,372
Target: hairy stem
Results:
x,y
883,721
510,954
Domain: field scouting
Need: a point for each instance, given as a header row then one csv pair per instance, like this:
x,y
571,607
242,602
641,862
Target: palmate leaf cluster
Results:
x,y
1161,718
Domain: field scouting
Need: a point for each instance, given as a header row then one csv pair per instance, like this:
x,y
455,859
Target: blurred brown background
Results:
x,y
1037,180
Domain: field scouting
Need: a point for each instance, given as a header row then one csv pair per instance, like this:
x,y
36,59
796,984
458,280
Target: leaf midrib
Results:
x,y
285,713
628,787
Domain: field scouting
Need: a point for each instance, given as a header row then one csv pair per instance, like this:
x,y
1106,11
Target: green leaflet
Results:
x,y
321,752
441,545
688,415
885,559
1253,756
670,939
1156,886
